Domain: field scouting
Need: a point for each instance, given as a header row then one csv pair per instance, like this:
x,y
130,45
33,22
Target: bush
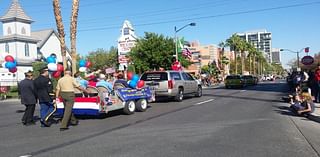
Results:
x,y
14,89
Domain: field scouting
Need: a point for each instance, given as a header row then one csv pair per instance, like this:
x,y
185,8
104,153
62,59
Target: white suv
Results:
x,y
172,84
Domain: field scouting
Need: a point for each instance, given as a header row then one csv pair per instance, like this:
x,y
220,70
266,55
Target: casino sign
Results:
x,y
307,60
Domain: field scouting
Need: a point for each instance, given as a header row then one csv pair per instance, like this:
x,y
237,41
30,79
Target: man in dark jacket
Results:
x,y
28,98
44,90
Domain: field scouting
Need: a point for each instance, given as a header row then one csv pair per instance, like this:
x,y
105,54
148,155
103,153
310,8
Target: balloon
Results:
x,y
133,84
88,64
129,75
53,55
13,70
82,63
52,66
51,60
10,65
56,74
15,63
82,69
59,67
135,78
3,64
140,84
9,58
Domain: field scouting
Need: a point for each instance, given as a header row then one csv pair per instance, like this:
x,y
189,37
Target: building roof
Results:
x,y
42,35
15,12
16,37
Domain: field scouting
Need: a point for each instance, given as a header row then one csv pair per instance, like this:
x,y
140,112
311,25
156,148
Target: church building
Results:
x,y
26,46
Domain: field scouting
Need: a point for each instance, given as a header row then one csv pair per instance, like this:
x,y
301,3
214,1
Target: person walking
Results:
x,y
28,98
44,90
65,88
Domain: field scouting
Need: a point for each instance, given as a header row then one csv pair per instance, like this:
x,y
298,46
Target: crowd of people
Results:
x,y
41,91
305,89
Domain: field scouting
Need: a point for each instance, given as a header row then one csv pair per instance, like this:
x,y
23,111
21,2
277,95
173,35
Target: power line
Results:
x,y
212,16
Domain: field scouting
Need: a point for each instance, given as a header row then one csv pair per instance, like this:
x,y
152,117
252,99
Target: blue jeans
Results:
x,y
45,109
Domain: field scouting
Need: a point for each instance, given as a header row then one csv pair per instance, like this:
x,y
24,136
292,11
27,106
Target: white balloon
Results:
x,y
52,66
3,64
83,69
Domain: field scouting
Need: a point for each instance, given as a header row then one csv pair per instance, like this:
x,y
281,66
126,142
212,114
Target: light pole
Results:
x,y
297,52
175,36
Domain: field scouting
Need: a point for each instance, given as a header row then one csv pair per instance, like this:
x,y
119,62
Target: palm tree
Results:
x,y
233,43
252,53
73,33
60,27
242,46
222,45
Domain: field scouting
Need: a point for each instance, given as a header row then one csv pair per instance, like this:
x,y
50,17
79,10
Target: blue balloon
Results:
x,y
135,78
15,63
51,60
10,65
133,84
82,63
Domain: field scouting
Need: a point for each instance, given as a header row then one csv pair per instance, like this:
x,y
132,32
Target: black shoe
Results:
x,y
63,129
30,123
44,124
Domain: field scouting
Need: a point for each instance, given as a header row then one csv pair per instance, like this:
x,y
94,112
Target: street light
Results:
x,y
175,35
297,52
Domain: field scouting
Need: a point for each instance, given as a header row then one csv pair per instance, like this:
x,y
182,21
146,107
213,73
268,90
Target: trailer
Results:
x,y
100,101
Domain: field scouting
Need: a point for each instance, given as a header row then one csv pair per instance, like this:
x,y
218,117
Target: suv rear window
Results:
x,y
233,77
154,76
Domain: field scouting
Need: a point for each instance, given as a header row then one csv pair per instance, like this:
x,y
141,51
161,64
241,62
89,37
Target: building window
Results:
x,y
126,31
23,30
9,31
26,50
7,48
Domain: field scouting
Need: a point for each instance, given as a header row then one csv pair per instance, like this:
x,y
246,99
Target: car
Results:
x,y
172,84
234,81
249,80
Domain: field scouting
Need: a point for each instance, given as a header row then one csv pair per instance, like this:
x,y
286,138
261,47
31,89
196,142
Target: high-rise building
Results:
x,y
261,39
276,58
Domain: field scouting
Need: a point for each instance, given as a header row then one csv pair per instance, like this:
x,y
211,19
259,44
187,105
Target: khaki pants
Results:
x,y
68,101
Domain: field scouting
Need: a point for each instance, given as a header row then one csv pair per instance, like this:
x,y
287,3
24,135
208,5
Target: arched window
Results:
x,y
26,50
9,31
7,48
23,30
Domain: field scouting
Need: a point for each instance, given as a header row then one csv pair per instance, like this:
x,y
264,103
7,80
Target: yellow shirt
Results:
x,y
67,84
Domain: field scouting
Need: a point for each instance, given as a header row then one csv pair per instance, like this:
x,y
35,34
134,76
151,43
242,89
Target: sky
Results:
x,y
294,24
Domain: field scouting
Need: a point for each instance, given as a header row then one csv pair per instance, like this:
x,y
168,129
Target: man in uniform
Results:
x,y
44,91
65,88
28,98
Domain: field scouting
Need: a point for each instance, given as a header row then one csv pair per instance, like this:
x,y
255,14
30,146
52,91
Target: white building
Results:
x,y
24,45
261,39
126,41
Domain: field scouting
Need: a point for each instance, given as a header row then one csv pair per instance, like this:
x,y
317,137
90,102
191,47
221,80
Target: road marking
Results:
x,y
199,103
243,90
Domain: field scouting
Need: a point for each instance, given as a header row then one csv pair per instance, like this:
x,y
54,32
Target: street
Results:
x,y
223,122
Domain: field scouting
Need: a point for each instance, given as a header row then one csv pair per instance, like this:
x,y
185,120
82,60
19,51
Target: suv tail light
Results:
x,y
170,84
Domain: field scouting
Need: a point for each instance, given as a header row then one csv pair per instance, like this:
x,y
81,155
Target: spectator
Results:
x,y
317,84
103,83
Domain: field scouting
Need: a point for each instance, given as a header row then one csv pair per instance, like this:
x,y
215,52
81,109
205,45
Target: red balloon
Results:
x,y
9,58
56,74
129,75
140,84
13,70
88,64
59,67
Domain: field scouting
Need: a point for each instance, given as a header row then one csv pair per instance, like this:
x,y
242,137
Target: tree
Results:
x,y
152,52
233,42
60,28
73,33
102,59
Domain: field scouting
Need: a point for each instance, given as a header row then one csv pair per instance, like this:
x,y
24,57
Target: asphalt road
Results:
x,y
224,122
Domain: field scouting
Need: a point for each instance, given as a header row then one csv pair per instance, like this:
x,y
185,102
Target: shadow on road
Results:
x,y
285,110
242,97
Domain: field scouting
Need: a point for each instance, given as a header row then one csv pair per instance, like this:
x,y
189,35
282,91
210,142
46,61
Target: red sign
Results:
x,y
4,89
307,60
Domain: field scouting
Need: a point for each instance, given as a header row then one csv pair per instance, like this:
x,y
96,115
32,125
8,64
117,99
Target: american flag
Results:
x,y
186,52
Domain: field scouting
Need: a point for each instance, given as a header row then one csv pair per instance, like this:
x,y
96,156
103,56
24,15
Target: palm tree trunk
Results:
x,y
236,63
250,65
73,35
242,63
60,27
254,65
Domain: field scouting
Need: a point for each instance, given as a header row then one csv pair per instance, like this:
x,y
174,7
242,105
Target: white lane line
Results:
x,y
243,90
199,103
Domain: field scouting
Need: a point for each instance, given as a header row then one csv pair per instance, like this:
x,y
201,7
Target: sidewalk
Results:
x,y
315,116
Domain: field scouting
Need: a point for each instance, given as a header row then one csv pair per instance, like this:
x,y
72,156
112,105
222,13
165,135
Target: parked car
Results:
x,y
249,80
234,81
174,84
